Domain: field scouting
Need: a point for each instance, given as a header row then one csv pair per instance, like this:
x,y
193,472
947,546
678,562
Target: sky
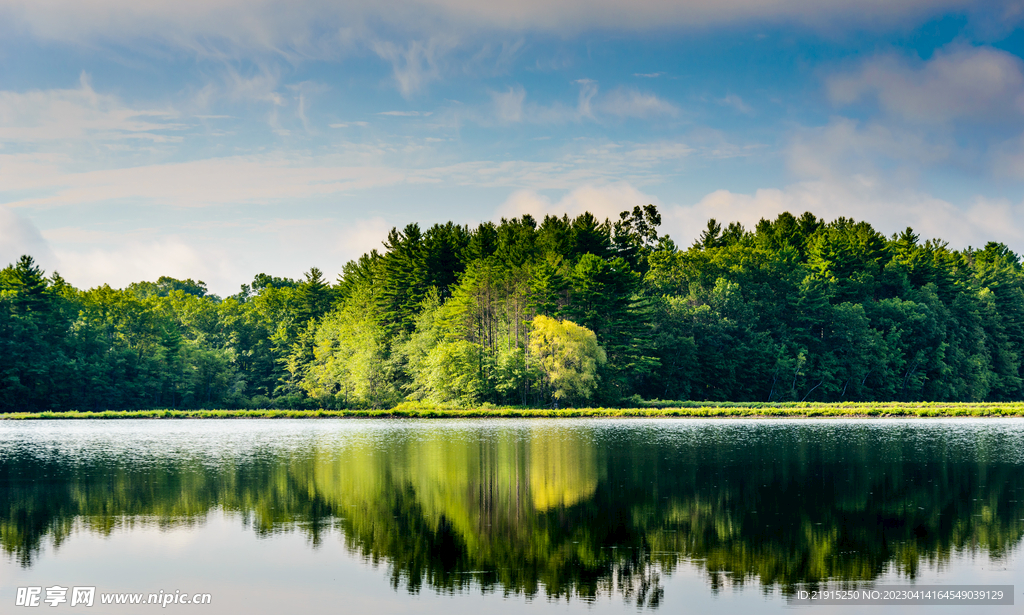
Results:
x,y
218,139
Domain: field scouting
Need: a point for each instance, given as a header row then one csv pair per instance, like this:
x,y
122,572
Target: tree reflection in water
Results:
x,y
571,510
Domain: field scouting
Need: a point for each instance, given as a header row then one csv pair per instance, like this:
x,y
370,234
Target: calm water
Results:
x,y
459,516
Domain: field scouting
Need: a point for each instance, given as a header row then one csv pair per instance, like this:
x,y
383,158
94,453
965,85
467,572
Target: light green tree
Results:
x,y
568,355
351,358
454,371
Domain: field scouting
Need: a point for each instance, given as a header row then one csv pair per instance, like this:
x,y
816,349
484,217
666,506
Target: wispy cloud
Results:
x,y
198,183
627,102
285,106
588,90
46,182
416,63
81,114
737,103
407,113
511,105
260,85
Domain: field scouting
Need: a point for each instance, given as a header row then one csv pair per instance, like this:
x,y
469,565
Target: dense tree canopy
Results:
x,y
796,309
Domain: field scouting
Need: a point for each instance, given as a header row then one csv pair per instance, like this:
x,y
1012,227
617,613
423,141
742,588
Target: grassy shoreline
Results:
x,y
655,410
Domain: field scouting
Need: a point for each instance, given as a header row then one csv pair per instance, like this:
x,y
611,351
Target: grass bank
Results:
x,y
655,409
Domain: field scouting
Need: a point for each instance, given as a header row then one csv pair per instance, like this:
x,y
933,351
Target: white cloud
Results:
x,y
1008,158
958,82
210,27
657,152
259,86
134,261
588,90
954,111
88,258
18,236
508,106
555,113
312,27
547,175
737,103
330,239
416,64
20,172
77,114
406,113
230,180
845,147
869,171
627,102
577,15
327,243
604,201
360,237
50,180
588,163
511,106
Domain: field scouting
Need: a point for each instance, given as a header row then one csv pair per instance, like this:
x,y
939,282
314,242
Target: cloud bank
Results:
x,y
959,82
308,26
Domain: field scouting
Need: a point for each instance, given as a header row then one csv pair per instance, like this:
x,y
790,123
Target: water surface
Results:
x,y
456,516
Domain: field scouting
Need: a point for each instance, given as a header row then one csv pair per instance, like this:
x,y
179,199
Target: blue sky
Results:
x,y
215,139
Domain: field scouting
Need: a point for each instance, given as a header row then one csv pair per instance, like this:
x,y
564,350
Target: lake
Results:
x,y
507,516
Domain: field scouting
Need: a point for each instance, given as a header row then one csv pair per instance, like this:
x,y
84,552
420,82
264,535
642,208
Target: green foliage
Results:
x,y
351,364
804,310
454,371
165,285
568,356
797,309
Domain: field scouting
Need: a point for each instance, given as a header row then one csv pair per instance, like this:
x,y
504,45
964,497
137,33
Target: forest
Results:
x,y
556,312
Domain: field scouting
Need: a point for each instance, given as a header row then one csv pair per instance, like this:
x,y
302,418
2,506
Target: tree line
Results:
x,y
562,310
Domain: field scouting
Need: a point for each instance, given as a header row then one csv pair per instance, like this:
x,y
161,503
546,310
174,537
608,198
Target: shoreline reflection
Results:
x,y
574,510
